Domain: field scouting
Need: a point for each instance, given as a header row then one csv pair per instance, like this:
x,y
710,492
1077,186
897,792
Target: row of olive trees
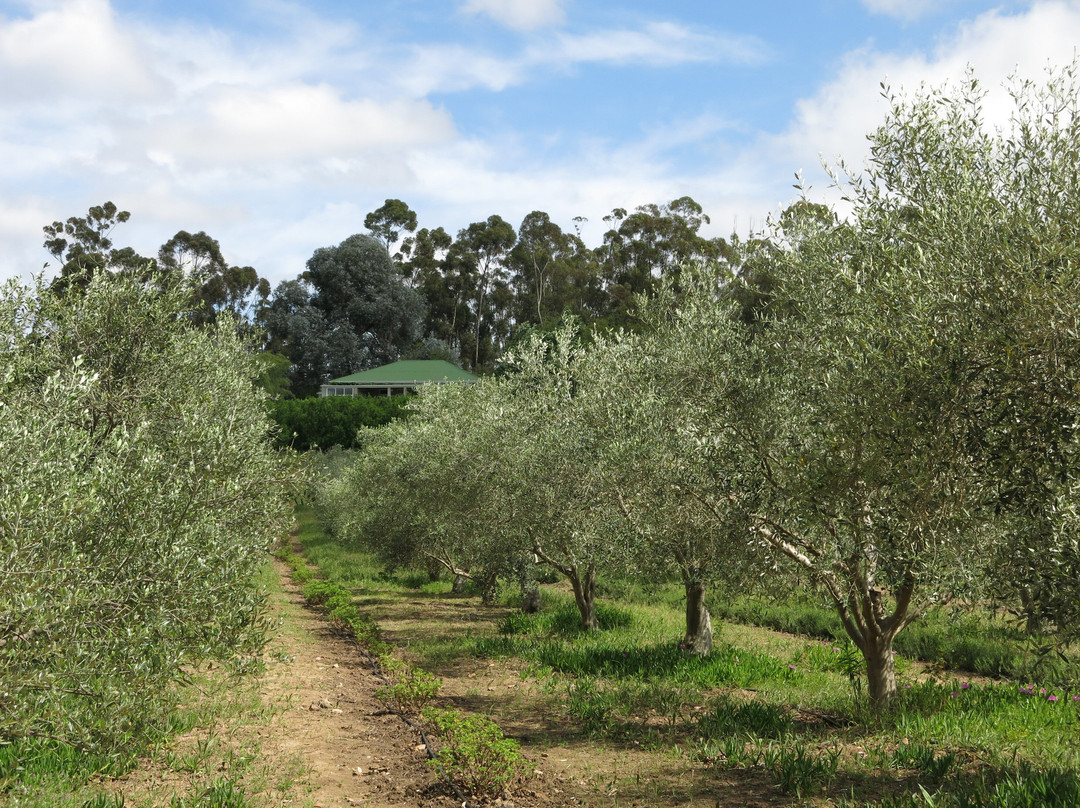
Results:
x,y
138,497
894,415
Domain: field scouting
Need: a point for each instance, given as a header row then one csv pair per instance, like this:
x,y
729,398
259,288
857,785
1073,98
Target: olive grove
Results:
x,y
885,402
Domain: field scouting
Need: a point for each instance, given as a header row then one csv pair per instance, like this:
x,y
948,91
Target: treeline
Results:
x,y
884,407
422,293
404,291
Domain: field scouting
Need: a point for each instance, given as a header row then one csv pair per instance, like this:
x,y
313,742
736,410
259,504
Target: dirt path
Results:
x,y
355,752
311,733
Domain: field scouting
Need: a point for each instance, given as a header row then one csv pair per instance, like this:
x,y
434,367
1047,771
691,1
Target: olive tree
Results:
x,y
138,498
432,489
670,477
881,405
490,479
566,507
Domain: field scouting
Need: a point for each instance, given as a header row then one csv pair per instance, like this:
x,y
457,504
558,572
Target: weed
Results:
x,y
728,718
409,689
105,801
592,706
925,759
475,753
221,793
800,772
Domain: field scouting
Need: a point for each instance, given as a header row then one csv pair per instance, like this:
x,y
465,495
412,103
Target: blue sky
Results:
x,y
276,126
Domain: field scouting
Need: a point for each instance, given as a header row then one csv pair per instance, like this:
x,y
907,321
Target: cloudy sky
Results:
x,y
276,126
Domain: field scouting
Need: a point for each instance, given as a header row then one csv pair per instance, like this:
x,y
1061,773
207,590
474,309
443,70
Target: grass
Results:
x,y
971,641
763,704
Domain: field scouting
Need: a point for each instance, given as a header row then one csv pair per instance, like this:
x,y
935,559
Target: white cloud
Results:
x,y
70,50
904,9
659,43
521,15
289,123
451,68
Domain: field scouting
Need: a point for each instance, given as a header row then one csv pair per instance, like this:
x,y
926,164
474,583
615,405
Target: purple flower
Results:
x,y
792,667
1051,698
965,686
1027,691
1042,691
954,694
1076,698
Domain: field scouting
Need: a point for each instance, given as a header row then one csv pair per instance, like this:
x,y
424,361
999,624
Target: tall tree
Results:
x,y
351,310
196,259
480,252
424,270
651,242
84,246
542,263
389,222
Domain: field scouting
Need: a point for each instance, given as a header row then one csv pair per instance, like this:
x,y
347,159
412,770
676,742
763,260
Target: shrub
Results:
x,y
308,423
409,689
475,754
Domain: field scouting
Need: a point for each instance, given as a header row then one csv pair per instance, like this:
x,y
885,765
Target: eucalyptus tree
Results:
x,y
644,245
84,247
482,249
423,254
195,259
881,405
389,222
349,311
542,265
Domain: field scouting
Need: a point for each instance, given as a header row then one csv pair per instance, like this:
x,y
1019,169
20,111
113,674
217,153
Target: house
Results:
x,y
397,378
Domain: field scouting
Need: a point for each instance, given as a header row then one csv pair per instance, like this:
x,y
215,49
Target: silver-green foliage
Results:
x,y
915,381
138,496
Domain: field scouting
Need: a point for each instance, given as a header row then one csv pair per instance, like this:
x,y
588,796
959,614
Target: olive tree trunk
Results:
x,y
863,608
582,581
698,639
873,630
584,584
530,597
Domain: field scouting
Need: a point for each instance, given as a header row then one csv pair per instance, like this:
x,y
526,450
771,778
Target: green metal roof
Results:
x,y
408,372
